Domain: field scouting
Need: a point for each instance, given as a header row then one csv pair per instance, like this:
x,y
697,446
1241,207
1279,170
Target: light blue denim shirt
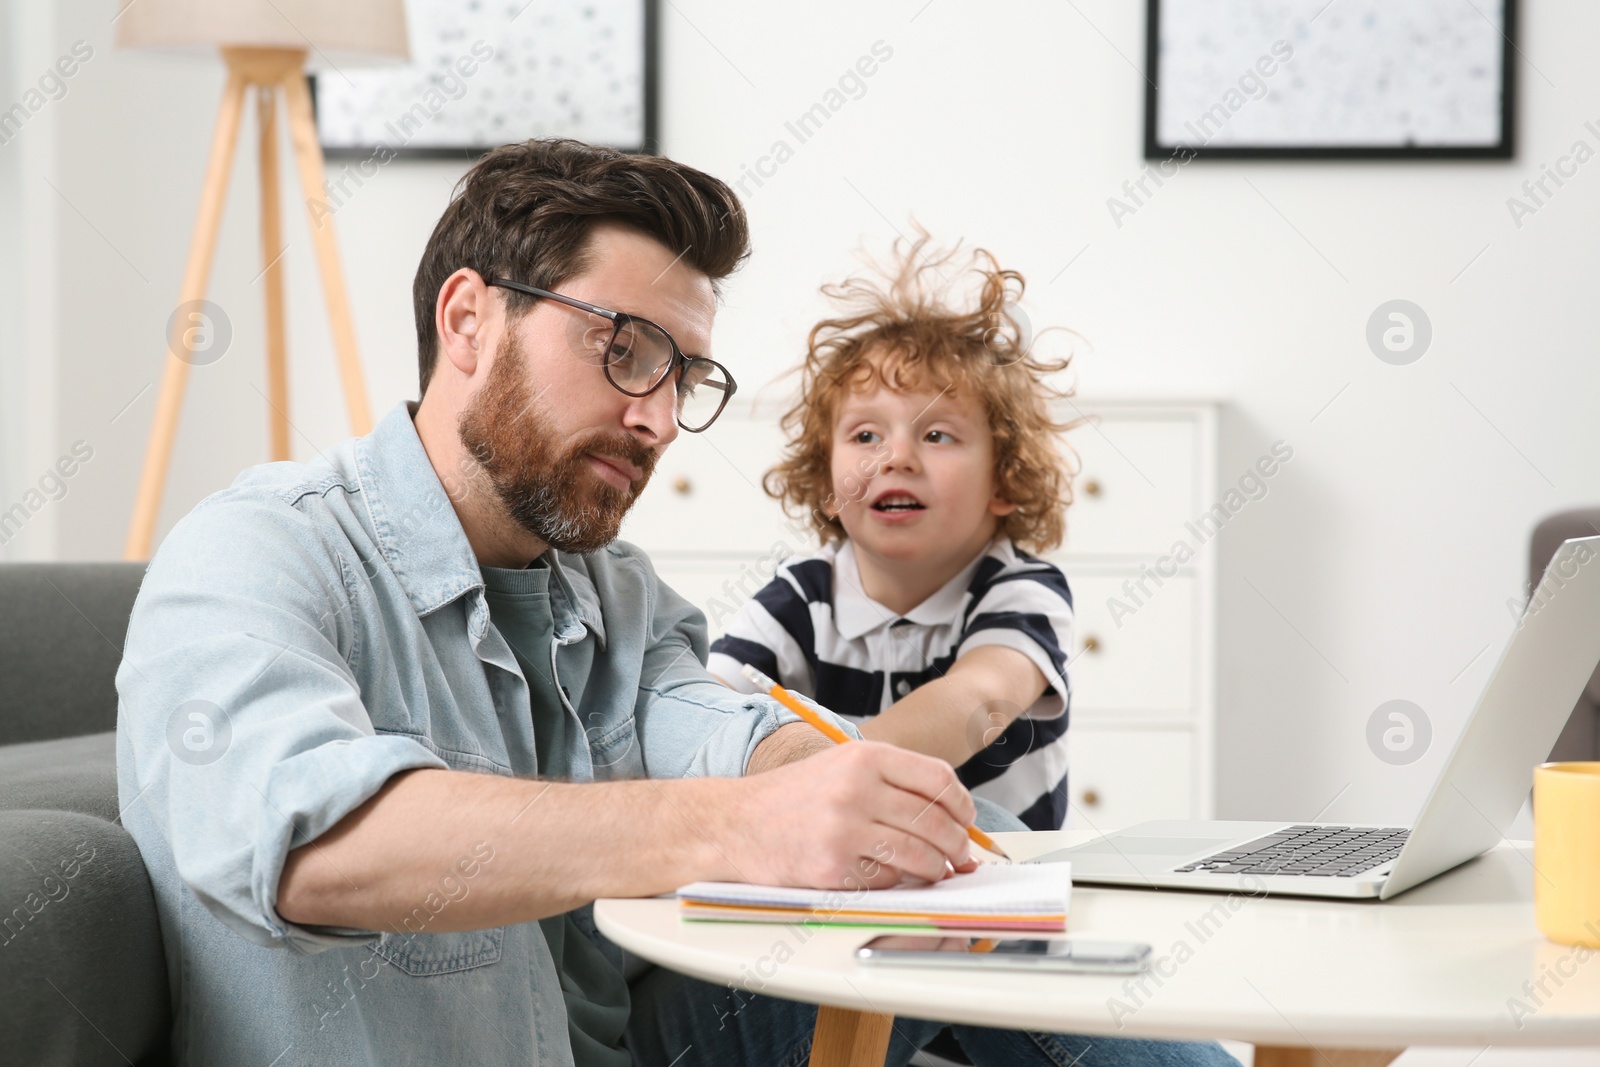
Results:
x,y
299,638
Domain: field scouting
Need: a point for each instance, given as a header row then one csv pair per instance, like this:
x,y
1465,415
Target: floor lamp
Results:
x,y
264,43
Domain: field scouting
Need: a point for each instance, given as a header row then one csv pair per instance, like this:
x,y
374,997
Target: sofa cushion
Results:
x,y
85,979
73,774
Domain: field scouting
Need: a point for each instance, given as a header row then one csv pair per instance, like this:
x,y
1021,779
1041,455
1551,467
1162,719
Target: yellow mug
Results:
x,y
1566,852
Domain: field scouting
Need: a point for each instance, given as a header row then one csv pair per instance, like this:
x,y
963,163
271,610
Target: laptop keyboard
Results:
x,y
1323,851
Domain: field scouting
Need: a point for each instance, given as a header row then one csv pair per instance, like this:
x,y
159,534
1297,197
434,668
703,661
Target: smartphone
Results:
x,y
1020,954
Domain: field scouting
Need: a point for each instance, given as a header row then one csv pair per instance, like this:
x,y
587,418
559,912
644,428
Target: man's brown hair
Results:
x,y
524,211
901,328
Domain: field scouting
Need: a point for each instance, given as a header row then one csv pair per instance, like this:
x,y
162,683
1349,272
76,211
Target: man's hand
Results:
x,y
857,815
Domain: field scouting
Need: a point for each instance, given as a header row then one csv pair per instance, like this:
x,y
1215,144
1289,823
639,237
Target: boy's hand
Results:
x,y
862,815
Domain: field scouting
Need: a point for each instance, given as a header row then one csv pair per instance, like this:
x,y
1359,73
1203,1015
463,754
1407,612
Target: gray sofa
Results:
x,y
84,977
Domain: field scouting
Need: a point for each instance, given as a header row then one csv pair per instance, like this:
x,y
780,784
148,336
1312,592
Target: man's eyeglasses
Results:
x,y
638,356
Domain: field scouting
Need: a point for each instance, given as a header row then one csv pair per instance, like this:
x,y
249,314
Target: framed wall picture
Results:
x,y
494,71
1329,79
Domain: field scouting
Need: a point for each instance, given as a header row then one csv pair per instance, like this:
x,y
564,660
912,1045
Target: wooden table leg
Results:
x,y
1286,1056
846,1038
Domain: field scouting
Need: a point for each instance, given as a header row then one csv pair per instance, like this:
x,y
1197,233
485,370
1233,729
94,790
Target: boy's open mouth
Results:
x,y
897,500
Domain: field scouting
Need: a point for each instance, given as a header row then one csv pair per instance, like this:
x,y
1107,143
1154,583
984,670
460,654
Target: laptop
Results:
x,y
1546,663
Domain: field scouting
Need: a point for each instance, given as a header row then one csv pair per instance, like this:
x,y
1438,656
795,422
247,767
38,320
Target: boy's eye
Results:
x,y
863,437
937,435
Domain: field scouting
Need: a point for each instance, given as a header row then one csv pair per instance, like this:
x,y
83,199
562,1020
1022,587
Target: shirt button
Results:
x,y
902,687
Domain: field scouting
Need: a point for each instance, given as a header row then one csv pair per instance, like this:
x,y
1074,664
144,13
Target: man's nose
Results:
x,y
655,417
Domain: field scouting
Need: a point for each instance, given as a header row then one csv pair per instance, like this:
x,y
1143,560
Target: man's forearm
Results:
x,y
550,846
532,848
473,850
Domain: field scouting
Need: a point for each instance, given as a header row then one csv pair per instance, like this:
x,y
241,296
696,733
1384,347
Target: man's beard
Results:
x,y
559,499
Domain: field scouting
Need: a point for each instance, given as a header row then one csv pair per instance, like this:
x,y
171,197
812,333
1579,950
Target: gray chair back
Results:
x,y
1580,740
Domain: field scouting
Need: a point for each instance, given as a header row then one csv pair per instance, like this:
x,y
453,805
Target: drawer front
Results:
x,y
1145,664
1121,777
705,495
1136,487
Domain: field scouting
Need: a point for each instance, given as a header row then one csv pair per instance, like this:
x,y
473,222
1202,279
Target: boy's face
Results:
x,y
913,476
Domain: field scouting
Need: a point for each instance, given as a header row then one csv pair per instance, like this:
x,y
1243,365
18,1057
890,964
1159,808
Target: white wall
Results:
x,y
13,430
1380,563
28,279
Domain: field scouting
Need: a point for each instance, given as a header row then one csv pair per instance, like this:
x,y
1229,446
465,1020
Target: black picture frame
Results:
x,y
649,143
1503,150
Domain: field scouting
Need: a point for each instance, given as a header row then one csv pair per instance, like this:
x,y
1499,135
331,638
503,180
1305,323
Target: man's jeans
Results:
x,y
683,1022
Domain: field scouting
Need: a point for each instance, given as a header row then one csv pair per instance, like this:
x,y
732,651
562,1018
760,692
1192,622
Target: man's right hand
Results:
x,y
863,814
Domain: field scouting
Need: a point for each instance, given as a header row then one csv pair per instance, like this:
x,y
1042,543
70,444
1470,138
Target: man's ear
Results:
x,y
463,316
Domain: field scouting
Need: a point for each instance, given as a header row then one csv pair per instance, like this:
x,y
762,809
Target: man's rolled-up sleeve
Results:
x,y
689,723
240,713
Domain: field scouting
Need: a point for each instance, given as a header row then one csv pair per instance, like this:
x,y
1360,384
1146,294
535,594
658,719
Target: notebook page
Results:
x,y
993,889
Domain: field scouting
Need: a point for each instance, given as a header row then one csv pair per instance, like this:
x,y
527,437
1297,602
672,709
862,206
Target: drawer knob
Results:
x,y
1091,488
680,484
1091,643
1091,798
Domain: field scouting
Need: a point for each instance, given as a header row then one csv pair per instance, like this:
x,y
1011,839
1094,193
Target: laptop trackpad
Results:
x,y
1147,846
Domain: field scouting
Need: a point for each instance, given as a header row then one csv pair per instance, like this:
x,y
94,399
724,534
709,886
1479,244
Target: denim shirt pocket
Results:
x,y
614,750
422,955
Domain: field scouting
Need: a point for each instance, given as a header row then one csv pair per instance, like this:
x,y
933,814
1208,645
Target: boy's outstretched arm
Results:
x,y
957,716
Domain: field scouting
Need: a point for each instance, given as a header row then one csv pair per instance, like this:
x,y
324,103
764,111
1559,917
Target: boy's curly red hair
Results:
x,y
899,328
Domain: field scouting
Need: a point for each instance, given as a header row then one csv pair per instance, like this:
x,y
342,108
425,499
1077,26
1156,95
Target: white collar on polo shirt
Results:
x,y
856,614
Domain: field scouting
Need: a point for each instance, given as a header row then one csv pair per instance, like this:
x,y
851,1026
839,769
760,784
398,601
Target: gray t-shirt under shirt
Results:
x,y
595,992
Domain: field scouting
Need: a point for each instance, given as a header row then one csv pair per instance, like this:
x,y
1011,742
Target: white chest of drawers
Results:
x,y
1143,665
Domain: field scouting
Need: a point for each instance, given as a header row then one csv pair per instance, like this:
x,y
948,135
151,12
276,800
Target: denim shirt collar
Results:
x,y
415,526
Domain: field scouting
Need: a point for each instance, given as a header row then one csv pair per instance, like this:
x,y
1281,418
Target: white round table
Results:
x,y
1455,961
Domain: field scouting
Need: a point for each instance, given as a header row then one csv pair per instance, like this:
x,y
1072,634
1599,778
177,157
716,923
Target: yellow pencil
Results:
x,y
839,737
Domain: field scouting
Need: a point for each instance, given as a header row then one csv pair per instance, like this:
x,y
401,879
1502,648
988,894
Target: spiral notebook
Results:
x,y
1031,896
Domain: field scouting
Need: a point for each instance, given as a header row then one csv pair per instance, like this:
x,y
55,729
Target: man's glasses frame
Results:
x,y
621,320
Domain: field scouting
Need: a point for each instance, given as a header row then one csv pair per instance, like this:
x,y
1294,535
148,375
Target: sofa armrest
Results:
x,y
62,627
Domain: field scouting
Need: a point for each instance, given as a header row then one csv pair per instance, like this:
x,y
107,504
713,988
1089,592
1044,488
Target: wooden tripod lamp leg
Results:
x,y
272,273
308,154
196,273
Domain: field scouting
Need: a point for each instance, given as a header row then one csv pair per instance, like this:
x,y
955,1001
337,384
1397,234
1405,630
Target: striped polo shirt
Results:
x,y
815,630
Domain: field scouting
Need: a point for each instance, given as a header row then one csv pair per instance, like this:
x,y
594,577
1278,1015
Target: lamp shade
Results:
x,y
333,32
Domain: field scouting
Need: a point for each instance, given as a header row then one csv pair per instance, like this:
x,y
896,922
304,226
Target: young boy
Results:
x,y
924,454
